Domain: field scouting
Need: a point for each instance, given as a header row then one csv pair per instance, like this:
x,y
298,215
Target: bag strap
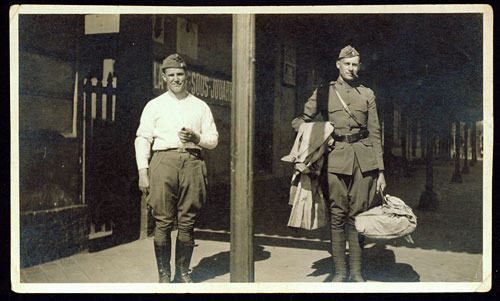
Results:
x,y
346,108
384,198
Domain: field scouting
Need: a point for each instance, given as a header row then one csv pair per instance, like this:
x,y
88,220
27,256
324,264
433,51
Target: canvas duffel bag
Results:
x,y
390,220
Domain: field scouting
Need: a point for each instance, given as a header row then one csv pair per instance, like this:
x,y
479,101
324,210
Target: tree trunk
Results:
x,y
389,135
457,177
423,145
473,144
465,169
428,198
388,127
414,133
434,148
404,139
404,123
442,146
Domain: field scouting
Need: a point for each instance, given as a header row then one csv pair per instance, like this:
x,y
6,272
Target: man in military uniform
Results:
x,y
355,165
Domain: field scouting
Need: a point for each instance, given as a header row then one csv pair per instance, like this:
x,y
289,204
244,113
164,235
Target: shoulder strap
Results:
x,y
346,108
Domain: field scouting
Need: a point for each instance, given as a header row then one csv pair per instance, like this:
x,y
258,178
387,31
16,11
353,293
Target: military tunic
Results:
x,y
352,167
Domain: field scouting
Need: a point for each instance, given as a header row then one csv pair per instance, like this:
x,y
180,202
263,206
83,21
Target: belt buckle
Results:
x,y
349,138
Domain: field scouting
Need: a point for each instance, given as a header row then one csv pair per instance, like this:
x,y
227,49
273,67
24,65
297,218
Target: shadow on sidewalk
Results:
x,y
284,242
455,226
379,264
218,264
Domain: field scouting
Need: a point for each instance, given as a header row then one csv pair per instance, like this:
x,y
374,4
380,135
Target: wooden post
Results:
x,y
86,121
242,118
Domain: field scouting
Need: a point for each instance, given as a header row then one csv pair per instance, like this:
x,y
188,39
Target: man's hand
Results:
x,y
381,184
188,135
144,180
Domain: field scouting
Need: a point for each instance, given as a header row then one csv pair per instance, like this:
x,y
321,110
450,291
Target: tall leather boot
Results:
x,y
183,253
338,253
355,254
163,254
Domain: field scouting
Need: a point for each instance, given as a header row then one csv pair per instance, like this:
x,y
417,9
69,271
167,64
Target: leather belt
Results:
x,y
192,151
351,138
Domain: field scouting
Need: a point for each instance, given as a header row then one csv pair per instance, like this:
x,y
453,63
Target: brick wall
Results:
x,y
51,234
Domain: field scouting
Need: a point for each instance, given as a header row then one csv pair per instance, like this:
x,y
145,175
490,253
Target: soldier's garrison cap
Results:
x,y
173,61
348,52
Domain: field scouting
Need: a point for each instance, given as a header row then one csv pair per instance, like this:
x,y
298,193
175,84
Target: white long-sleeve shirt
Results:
x,y
164,116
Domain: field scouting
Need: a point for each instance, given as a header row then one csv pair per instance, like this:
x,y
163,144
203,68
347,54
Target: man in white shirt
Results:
x,y
174,127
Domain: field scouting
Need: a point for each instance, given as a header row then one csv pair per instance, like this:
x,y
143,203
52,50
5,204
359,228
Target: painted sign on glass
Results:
x,y
208,88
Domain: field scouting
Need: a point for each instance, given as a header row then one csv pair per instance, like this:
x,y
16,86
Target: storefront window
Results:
x,y
48,171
